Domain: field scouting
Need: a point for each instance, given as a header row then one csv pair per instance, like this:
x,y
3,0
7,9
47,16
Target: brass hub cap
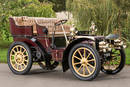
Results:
x,y
83,62
19,58
114,62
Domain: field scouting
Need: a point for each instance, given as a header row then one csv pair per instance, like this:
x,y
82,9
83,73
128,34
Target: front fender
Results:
x,y
65,64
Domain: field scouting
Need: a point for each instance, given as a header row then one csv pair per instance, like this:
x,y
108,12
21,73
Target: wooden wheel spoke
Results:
x,y
77,63
12,55
91,60
20,49
79,68
116,54
90,65
20,67
88,55
118,61
14,51
88,69
113,63
26,61
84,53
24,56
23,64
24,50
84,72
77,57
17,49
13,60
80,54
13,65
109,65
17,66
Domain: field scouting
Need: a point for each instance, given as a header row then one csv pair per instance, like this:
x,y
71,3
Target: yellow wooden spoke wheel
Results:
x,y
19,58
114,63
84,62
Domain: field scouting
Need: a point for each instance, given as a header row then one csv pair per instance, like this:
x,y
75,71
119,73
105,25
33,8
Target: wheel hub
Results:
x,y
84,61
19,58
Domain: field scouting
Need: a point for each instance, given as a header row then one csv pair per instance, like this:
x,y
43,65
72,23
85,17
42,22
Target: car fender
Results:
x,y
65,65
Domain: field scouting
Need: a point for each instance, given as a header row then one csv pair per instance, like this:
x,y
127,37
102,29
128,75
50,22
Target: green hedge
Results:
x,y
58,5
21,8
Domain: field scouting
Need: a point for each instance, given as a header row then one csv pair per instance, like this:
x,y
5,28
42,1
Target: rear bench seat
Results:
x,y
47,22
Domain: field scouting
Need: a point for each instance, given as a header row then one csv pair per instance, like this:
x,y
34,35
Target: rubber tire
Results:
x,y
98,62
121,66
30,58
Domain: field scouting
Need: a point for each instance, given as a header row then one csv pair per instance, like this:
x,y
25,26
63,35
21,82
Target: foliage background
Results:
x,y
58,5
21,8
108,15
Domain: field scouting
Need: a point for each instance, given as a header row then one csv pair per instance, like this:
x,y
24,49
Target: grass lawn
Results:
x,y
3,50
127,55
3,55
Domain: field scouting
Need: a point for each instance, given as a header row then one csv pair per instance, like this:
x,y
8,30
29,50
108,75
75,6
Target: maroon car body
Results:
x,y
48,39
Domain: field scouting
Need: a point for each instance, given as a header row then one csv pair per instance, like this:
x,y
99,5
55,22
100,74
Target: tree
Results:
x,y
102,12
123,4
58,5
21,8
124,16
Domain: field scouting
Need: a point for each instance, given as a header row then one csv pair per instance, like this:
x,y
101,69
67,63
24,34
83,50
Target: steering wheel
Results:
x,y
61,22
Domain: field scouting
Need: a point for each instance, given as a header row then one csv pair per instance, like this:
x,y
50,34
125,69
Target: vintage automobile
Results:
x,y
48,42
